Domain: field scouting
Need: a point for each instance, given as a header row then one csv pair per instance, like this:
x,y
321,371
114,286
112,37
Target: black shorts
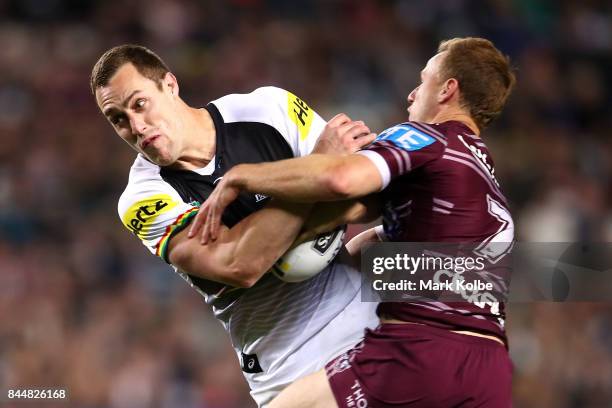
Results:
x,y
410,365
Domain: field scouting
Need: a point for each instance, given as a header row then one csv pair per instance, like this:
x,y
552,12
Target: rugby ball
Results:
x,y
310,257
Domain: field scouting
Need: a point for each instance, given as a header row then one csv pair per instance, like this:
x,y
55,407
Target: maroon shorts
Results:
x,y
410,365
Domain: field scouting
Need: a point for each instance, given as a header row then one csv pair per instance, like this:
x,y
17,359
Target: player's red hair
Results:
x,y
484,75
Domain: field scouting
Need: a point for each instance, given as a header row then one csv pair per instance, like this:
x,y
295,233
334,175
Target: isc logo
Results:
x,y
406,137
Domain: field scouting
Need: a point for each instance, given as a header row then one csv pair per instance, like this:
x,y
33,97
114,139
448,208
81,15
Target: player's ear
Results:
x,y
450,88
171,83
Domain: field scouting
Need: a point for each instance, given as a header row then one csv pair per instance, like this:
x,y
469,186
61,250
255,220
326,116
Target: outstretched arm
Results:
x,y
317,177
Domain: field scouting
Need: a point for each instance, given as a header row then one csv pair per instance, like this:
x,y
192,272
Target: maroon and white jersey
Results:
x,y
439,185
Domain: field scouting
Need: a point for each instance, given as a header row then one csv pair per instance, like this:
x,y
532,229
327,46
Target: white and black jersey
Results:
x,y
281,331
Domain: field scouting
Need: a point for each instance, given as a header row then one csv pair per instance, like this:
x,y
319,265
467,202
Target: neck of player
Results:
x,y
459,116
199,140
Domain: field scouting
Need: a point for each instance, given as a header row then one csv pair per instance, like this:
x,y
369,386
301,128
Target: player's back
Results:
x,y
442,188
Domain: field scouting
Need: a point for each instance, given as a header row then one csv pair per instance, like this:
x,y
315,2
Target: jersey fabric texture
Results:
x,y
284,330
439,185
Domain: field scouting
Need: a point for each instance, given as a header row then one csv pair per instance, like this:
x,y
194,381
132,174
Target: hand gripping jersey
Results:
x,y
280,331
439,185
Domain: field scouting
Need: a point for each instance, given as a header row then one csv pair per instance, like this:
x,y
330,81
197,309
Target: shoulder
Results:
x,y
144,179
146,198
288,114
413,136
262,104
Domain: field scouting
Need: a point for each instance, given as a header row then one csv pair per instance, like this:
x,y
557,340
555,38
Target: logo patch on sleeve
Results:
x,y
406,137
250,363
139,217
300,114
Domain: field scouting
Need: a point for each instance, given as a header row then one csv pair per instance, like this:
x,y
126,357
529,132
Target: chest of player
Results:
x,y
236,143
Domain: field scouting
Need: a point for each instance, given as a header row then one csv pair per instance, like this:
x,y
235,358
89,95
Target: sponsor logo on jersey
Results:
x,y
144,212
300,114
260,197
250,363
406,137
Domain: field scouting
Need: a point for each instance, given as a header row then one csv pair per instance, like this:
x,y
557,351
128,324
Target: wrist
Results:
x,y
236,177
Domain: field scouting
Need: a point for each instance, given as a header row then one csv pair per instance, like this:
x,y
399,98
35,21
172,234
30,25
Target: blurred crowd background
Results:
x,y
85,307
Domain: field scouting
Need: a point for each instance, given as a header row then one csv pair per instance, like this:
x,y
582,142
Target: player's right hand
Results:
x,y
208,219
342,135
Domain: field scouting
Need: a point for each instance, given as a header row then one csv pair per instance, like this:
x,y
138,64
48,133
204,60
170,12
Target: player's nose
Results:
x,y
137,125
412,95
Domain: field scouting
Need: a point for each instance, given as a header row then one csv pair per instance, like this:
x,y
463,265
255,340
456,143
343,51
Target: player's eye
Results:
x,y
139,103
117,119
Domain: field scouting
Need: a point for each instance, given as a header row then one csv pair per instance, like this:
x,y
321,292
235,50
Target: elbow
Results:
x,y
246,273
243,275
234,273
338,182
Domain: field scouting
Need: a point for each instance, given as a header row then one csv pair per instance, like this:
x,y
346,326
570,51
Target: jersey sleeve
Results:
x,y
153,211
403,148
297,122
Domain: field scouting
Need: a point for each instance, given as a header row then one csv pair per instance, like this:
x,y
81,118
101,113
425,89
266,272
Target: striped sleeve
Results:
x,y
403,148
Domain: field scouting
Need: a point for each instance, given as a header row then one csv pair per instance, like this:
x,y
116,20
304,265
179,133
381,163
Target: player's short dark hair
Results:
x,y
148,64
485,76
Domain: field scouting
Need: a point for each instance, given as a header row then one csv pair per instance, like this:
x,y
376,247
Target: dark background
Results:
x,y
84,306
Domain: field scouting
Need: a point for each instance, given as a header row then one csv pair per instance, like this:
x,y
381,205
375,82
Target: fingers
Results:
x,y
197,222
213,220
356,136
343,136
353,130
205,230
221,197
364,140
202,222
208,231
338,120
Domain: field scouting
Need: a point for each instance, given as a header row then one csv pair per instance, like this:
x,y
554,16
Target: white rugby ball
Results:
x,y
310,257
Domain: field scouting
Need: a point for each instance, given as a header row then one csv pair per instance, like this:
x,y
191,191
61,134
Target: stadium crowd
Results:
x,y
85,307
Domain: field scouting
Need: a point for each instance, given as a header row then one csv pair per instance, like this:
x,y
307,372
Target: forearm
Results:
x,y
305,179
245,252
262,238
326,216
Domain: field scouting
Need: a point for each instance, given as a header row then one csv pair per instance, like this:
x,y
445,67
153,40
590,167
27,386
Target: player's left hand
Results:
x,y
342,135
208,219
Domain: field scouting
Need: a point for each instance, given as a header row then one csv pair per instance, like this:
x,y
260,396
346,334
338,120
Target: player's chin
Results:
x,y
413,115
160,159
